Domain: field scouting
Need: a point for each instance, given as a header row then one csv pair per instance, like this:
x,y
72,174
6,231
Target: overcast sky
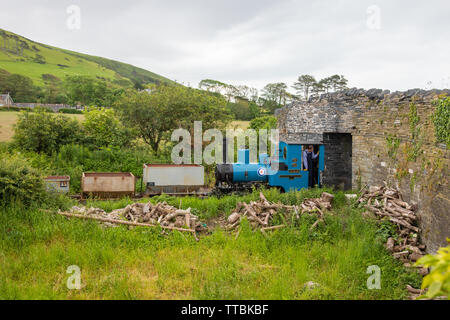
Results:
x,y
393,45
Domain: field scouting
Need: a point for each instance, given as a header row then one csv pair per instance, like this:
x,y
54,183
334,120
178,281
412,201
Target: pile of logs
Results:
x,y
317,205
142,214
260,213
387,203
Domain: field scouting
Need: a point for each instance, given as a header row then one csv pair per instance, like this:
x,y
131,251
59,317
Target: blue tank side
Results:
x,y
293,178
253,172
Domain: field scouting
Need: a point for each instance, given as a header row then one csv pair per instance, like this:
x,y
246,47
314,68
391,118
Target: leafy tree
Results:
x,y
103,128
43,131
274,96
218,87
160,110
307,85
304,85
338,82
266,122
19,87
87,91
244,109
53,92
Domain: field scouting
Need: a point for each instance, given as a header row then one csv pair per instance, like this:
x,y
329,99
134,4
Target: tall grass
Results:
x,y
142,263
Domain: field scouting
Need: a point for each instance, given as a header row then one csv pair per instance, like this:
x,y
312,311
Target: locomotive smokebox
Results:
x,y
224,173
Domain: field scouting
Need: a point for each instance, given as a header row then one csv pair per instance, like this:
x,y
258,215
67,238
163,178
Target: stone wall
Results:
x,y
54,107
393,142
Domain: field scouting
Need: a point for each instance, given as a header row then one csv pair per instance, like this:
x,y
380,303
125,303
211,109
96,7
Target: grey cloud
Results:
x,y
253,42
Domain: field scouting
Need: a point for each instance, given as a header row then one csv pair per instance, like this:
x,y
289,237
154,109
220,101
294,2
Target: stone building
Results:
x,y
375,137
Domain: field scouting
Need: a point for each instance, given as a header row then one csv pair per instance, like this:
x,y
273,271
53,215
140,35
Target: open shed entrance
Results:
x,y
338,160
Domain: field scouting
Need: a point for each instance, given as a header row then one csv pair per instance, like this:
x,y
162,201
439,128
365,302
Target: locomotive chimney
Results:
x,y
224,151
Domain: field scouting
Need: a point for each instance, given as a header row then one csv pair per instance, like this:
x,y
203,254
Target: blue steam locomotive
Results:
x,y
285,171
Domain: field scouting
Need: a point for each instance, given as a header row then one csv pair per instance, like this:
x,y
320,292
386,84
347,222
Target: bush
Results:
x,y
17,109
104,129
41,131
438,281
19,182
70,111
266,122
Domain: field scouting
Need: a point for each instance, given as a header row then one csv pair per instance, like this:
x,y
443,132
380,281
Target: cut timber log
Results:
x,y
326,197
273,228
129,223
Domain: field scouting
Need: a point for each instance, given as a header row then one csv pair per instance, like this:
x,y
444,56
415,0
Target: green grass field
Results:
x,y
9,118
36,248
60,62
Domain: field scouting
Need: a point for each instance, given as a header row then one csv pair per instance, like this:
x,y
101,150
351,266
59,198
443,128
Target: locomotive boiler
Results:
x,y
284,171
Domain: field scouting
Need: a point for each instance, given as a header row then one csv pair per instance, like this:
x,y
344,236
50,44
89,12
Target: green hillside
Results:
x,y
32,59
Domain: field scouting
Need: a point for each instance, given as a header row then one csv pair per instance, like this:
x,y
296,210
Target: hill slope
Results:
x,y
32,59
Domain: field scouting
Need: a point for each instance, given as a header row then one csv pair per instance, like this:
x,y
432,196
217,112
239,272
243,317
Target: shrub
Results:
x,y
19,182
103,128
8,108
70,111
438,280
266,122
41,131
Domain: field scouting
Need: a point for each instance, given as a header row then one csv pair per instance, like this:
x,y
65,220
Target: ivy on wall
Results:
x,y
441,120
414,150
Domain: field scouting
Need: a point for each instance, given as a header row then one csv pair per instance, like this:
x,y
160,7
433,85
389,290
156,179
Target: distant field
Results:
x,y
239,125
8,119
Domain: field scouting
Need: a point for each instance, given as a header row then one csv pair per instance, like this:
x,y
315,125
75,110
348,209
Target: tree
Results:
x,y
338,82
19,87
275,95
164,108
43,131
103,128
318,88
304,85
53,92
266,122
86,91
307,85
211,85
243,109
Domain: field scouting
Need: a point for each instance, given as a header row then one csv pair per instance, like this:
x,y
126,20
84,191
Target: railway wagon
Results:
x,y
174,179
107,184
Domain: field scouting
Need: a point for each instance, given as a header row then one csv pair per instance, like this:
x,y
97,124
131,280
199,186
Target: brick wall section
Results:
x,y
371,117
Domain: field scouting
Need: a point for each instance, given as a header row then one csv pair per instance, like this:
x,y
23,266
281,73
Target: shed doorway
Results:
x,y
338,160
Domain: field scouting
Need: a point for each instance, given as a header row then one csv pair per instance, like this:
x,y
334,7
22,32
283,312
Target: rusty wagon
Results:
x,y
107,185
